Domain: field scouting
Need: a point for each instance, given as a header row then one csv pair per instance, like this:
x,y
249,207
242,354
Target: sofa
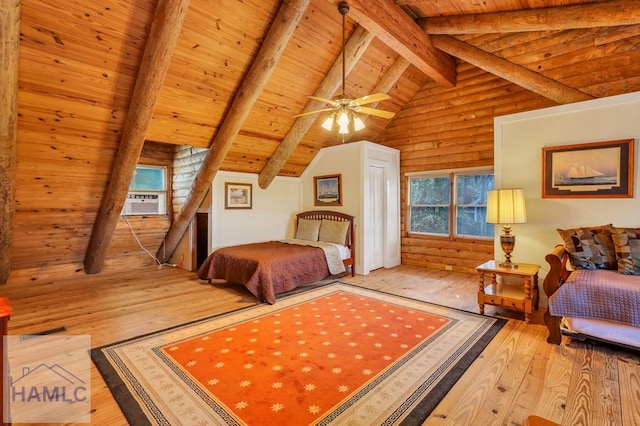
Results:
x,y
593,286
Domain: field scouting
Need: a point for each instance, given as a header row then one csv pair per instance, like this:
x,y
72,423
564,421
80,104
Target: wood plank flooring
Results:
x,y
518,374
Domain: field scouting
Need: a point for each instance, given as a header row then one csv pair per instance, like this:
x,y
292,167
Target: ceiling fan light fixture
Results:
x,y
328,123
343,109
343,118
358,124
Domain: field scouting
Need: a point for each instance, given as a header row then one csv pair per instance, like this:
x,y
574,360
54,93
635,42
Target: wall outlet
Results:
x,y
448,267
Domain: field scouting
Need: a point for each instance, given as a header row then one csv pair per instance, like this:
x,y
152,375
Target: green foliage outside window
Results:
x,y
431,197
471,205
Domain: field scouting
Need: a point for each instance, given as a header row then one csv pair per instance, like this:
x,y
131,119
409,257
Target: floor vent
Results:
x,y
43,333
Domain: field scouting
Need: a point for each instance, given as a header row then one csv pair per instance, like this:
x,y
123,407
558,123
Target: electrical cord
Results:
x,y
160,264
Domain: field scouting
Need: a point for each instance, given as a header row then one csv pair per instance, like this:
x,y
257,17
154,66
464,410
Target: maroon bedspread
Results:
x,y
266,269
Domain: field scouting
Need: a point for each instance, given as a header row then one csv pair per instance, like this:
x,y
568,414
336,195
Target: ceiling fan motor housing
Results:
x,y
343,7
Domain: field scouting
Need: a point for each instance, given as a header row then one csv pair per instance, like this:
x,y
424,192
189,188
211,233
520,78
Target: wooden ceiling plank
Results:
x,y
607,14
161,42
399,31
9,46
353,51
277,37
514,73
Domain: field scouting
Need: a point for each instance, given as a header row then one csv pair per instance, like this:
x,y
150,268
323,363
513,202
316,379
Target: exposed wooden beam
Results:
x,y
591,15
514,73
391,77
386,83
399,31
9,44
281,30
354,49
161,42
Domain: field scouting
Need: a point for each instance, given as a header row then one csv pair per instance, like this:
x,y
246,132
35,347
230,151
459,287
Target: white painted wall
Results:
x,y
271,218
352,162
519,139
273,214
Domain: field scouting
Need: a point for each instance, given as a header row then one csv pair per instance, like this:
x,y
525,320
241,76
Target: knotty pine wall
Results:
x,y
124,250
65,228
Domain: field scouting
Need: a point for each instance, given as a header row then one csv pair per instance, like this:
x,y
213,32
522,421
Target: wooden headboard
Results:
x,y
343,217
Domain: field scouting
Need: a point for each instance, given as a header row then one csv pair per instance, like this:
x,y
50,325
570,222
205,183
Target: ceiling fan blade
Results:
x,y
373,111
326,101
314,112
369,99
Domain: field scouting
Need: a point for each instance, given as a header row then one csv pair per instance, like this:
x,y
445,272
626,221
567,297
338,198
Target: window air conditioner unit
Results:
x,y
144,203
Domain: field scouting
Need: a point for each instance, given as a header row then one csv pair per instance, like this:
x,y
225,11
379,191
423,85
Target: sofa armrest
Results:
x,y
556,276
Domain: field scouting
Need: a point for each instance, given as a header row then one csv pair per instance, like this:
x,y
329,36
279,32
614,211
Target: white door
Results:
x,y
375,248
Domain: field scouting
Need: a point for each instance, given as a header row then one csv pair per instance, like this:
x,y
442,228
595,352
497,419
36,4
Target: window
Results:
x,y
147,191
450,204
149,178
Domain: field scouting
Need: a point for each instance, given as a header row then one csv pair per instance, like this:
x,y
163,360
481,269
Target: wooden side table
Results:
x,y
523,298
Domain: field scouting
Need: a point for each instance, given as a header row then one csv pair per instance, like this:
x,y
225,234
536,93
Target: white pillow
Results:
x,y
333,231
308,229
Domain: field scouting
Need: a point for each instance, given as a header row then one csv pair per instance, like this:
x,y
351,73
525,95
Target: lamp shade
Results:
x,y
506,206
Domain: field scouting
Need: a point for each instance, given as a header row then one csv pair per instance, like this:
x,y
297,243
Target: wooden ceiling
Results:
x,y
81,60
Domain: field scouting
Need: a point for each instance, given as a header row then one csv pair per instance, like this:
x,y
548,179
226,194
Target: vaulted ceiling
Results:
x,y
81,63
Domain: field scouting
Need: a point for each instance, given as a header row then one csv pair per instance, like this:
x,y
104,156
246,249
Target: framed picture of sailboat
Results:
x,y
588,170
327,190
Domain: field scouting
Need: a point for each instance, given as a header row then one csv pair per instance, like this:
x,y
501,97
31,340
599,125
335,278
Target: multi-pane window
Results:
x,y
147,191
450,204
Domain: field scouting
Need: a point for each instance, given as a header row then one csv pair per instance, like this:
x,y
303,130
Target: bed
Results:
x,y
595,304
323,246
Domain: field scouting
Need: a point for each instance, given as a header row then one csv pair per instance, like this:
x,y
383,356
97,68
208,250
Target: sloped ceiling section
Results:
x,y
79,62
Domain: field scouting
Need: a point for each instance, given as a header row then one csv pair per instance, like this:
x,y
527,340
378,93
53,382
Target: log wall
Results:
x,y
186,164
440,129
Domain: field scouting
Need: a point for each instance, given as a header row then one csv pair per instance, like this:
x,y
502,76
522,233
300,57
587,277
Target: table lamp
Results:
x,y
506,206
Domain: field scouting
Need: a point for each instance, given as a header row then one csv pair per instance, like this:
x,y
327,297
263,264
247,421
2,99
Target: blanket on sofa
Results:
x,y
598,294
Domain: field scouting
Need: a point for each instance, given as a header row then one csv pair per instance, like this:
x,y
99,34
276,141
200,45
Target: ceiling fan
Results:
x,y
344,116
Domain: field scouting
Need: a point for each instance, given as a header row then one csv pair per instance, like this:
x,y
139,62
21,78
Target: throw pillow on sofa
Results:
x,y
590,247
627,243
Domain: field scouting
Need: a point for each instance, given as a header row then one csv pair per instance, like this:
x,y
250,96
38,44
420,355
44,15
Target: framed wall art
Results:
x,y
327,190
588,170
238,195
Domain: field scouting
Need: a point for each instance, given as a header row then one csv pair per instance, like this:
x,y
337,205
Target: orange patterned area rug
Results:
x,y
337,354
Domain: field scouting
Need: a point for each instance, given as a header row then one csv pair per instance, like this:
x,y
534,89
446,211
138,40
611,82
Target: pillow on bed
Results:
x,y
627,242
333,231
590,247
308,229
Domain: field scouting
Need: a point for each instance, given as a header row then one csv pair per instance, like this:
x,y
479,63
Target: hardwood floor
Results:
x,y
518,374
